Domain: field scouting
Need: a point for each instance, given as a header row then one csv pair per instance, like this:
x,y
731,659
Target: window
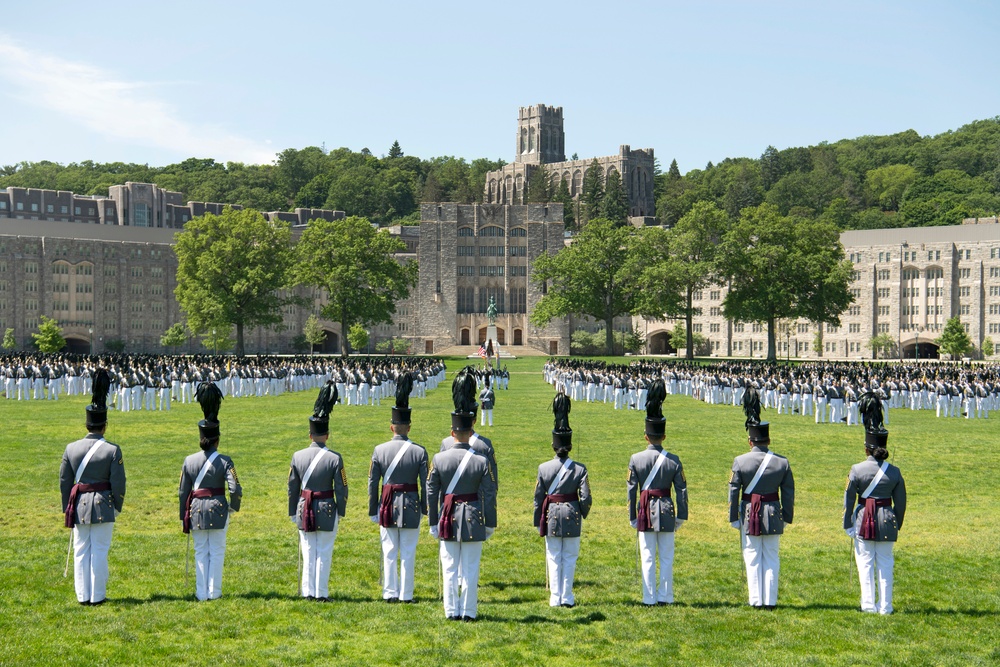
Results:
x,y
518,231
156,290
137,307
466,251
965,309
854,310
994,309
854,328
19,206
995,272
3,206
738,327
883,327
156,272
84,288
803,328
136,290
696,295
715,311
831,329
491,231
994,328
30,286
141,218
963,291
696,328
137,272
465,231
713,328
110,271
466,270
84,306
34,208
757,327
519,251
713,296
968,254
85,270
994,290
109,211
31,267
883,292
855,275
110,307
883,311
110,288
156,307
883,274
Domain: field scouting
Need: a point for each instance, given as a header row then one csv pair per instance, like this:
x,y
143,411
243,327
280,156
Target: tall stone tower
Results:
x,y
540,136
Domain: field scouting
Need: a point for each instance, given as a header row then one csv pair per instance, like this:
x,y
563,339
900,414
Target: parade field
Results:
x,y
947,574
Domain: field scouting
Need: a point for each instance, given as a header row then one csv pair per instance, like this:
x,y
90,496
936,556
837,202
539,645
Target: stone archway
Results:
x,y
77,345
500,336
332,343
928,349
659,343
464,337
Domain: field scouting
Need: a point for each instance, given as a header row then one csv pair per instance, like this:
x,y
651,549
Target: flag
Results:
x,y
482,352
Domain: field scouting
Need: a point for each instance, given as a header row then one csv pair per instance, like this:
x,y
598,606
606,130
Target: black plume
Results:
x,y
870,408
751,407
209,397
324,402
654,399
560,408
463,391
100,387
404,385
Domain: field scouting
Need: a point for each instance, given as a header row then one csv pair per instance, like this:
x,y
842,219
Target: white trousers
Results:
x,y
209,557
398,544
91,543
487,415
836,410
460,565
760,555
821,411
651,542
561,554
165,398
317,554
875,561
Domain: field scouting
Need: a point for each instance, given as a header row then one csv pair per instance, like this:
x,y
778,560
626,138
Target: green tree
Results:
x,y
566,199
314,332
174,336
49,337
988,347
887,185
9,342
232,269
782,268
674,172
818,341
395,151
882,344
954,340
355,264
592,194
597,276
114,345
679,339
614,205
218,339
770,167
540,186
358,336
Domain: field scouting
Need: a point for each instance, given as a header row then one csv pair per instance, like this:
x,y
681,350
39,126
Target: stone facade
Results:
x,y
540,141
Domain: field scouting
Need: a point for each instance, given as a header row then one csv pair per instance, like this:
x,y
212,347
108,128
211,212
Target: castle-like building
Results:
x,y
541,140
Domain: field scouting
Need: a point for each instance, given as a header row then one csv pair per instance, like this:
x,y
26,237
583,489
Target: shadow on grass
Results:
x,y
531,619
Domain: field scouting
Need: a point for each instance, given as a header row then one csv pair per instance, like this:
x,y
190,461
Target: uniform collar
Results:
x,y
761,448
316,444
655,448
399,437
872,459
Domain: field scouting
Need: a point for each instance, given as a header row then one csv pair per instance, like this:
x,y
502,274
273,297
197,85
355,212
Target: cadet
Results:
x,y
462,505
874,507
317,498
401,465
757,509
487,397
651,473
202,493
562,501
92,482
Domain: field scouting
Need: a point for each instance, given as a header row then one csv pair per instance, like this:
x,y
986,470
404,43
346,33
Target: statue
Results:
x,y
491,311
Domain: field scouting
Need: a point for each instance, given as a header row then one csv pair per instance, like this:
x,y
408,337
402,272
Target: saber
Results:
x,y
187,560
69,550
548,586
298,543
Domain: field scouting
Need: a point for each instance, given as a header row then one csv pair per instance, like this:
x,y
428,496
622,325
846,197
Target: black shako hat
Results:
x,y
562,434
870,407
97,411
656,423
401,411
756,429
463,394
209,396
319,422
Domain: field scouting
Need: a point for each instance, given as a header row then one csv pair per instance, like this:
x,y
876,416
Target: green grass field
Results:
x,y
947,572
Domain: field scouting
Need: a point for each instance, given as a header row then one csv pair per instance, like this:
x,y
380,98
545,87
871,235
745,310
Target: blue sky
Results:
x,y
156,82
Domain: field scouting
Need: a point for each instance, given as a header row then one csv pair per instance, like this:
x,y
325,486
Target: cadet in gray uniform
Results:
x,y
481,445
874,507
317,498
92,482
757,509
562,501
202,493
401,465
462,506
652,512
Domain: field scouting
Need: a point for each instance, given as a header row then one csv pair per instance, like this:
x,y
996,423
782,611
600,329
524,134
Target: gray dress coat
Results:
x,y
564,519
209,513
888,520
777,478
328,474
470,519
105,465
662,511
407,507
480,445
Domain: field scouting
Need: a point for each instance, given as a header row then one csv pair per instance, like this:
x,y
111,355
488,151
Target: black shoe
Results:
x,y
98,603
454,618
408,601
322,599
468,619
662,604
770,607
567,605
391,600
85,603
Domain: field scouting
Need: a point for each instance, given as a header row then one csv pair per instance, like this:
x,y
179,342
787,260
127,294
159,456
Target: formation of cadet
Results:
x,y
204,511
825,392
147,382
874,508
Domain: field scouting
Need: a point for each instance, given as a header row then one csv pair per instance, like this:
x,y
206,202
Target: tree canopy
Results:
x,y
49,337
954,340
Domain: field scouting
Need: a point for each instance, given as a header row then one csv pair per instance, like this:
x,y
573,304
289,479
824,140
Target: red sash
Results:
x,y
308,513
446,525
755,499
642,514
543,524
869,527
76,491
198,493
385,506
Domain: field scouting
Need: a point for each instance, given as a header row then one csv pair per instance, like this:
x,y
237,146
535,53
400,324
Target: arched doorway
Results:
x,y
331,345
928,350
77,345
659,343
482,336
518,337
465,337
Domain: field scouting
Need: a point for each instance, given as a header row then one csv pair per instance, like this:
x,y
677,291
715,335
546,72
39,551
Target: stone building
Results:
x,y
540,140
469,253
907,283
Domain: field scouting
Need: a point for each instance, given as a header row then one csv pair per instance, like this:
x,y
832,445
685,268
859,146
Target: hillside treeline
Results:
x,y
900,180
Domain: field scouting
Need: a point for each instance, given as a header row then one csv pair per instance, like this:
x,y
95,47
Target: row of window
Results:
x,y
473,300
493,231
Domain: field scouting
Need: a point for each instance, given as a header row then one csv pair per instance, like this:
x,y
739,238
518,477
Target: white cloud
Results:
x,y
126,111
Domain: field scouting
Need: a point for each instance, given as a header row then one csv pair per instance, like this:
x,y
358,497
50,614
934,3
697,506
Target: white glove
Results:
x,y
735,524
374,518
850,532
489,532
434,532
678,523
117,512
634,523
292,518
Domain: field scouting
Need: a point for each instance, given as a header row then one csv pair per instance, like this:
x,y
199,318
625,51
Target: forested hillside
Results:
x,y
901,180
